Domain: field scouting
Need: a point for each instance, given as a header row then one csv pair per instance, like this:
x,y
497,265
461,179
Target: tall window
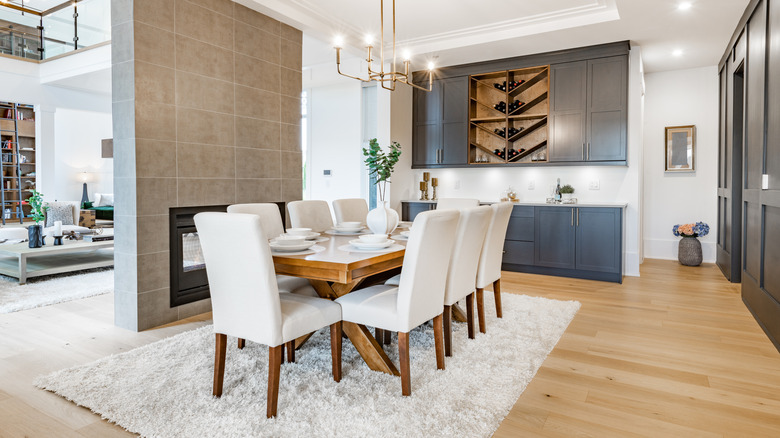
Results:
x,y
369,131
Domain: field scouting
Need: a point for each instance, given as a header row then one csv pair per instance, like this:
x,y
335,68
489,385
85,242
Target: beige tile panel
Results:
x,y
155,196
291,137
154,309
292,55
153,158
256,19
122,80
196,308
154,271
122,42
197,191
254,42
258,163
152,234
256,133
292,190
292,82
258,190
291,165
205,127
155,121
157,13
205,161
259,104
224,7
204,25
291,110
291,33
153,45
154,83
257,73
201,92
202,58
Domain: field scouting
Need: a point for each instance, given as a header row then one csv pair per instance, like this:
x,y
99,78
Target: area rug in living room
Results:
x,y
53,289
164,389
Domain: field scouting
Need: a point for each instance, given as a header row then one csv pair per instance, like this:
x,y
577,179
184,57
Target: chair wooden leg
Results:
x,y
379,335
335,350
387,337
470,314
497,294
219,363
481,310
403,357
438,337
447,330
274,369
290,351
282,347
241,343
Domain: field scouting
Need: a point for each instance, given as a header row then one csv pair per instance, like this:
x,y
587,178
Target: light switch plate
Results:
x,y
457,185
531,185
594,184
764,182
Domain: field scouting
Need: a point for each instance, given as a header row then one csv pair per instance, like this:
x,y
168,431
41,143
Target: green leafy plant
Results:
x,y
567,189
38,209
380,164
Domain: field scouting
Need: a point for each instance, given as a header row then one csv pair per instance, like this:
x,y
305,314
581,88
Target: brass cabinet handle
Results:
x,y
572,217
578,217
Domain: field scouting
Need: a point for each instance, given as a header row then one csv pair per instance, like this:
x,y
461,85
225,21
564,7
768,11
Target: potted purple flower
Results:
x,y
689,249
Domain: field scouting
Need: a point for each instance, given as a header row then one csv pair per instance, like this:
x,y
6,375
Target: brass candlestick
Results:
x,y
422,191
434,184
426,178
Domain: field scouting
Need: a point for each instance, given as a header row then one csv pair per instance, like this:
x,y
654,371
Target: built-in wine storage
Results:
x,y
508,113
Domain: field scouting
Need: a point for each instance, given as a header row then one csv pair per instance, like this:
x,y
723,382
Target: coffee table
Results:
x,y
20,261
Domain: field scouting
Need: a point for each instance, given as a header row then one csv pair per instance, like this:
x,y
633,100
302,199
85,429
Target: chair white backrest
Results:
x,y
270,217
470,237
493,249
456,203
310,214
350,210
244,296
424,272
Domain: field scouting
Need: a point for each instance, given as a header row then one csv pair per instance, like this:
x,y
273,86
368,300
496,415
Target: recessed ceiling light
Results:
x,y
677,52
684,6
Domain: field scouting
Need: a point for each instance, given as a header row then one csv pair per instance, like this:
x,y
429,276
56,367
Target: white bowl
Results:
x,y
299,231
285,240
349,225
406,233
373,238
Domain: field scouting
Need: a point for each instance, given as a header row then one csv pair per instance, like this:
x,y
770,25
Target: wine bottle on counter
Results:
x,y
558,190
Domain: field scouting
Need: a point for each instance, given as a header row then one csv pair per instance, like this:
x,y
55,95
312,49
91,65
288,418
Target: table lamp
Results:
x,y
84,177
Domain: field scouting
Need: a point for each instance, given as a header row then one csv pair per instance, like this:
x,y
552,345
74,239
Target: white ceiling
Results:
x,y
478,30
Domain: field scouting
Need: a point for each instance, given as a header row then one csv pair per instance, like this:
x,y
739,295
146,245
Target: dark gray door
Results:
x,y
598,239
554,237
607,109
426,138
568,85
454,121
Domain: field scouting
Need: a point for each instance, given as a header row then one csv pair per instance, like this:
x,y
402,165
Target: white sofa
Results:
x,y
15,233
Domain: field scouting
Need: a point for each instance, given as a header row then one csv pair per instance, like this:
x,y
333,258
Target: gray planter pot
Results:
x,y
689,251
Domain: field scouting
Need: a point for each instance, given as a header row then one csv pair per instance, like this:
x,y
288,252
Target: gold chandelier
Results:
x,y
381,76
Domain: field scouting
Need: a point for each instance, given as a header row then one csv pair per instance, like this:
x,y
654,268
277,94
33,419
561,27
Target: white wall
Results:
x,y
682,97
77,149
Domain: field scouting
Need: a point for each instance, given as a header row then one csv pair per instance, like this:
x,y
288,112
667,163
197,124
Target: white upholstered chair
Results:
x,y
271,223
419,296
470,237
245,300
310,214
350,210
489,271
456,203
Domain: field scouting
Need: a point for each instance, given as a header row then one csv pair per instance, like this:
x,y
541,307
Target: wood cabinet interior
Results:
x,y
18,174
518,129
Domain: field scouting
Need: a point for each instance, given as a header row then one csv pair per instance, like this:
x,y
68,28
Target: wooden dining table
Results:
x,y
335,272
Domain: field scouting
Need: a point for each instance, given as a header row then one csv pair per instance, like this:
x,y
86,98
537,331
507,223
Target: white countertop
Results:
x,y
543,204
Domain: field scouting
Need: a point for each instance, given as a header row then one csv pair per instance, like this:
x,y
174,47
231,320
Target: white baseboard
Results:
x,y
666,249
631,268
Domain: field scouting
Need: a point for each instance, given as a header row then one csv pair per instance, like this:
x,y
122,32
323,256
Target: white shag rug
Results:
x,y
164,389
48,290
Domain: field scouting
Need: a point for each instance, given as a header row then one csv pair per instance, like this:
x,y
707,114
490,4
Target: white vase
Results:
x,y
382,220
567,196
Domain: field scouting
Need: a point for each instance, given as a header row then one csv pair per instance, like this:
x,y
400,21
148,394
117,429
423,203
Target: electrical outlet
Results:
x,y
531,185
764,182
457,185
594,184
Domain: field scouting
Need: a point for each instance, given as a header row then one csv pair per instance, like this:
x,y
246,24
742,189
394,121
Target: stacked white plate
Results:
x,y
306,233
348,229
293,245
359,244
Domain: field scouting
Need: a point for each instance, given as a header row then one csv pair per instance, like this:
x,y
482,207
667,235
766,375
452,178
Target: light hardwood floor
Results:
x,y
673,353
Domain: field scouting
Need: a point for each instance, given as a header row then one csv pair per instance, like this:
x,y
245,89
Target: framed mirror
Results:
x,y
680,148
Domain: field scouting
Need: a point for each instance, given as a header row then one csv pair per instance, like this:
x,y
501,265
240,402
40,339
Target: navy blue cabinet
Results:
x,y
598,244
555,237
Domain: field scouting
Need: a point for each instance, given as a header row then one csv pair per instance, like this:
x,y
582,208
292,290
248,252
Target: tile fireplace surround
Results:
x,y
206,111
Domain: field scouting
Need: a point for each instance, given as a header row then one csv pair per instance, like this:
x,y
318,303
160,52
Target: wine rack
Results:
x,y
508,113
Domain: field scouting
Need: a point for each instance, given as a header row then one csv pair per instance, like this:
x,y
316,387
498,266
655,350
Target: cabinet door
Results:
x,y
426,138
454,121
607,109
554,237
568,84
599,239
410,210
